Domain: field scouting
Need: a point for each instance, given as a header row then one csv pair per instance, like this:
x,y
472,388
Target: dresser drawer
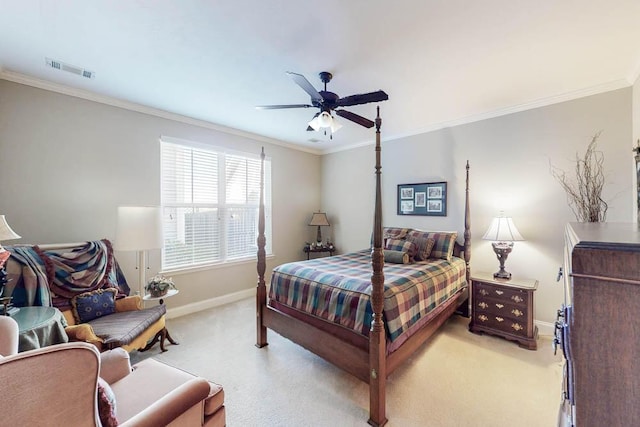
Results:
x,y
500,308
515,296
501,323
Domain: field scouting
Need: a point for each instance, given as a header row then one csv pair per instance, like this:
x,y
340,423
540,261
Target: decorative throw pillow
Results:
x,y
444,242
106,404
396,257
402,246
424,246
91,305
394,232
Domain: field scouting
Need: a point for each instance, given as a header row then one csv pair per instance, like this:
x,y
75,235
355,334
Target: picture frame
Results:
x,y
427,198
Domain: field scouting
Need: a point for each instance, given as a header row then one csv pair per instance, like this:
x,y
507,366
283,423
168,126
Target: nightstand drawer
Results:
x,y
514,296
500,308
501,323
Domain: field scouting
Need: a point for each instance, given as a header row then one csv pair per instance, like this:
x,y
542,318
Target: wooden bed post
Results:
x,y
261,291
467,229
377,340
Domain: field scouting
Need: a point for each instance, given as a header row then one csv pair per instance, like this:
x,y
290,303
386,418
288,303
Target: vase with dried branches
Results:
x,y
584,193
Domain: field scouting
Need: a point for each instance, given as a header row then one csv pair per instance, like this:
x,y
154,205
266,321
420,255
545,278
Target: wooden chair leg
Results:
x,y
160,336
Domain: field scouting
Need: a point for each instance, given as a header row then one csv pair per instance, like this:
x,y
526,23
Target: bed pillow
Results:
x,y
444,242
394,232
424,245
402,246
396,257
91,305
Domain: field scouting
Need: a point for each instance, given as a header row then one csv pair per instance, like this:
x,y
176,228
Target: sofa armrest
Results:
x,y
131,303
172,405
82,332
114,365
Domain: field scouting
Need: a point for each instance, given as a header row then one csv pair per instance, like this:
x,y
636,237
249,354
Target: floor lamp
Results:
x,y
139,228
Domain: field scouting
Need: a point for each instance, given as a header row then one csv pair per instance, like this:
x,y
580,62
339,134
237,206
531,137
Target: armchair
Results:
x,y
57,385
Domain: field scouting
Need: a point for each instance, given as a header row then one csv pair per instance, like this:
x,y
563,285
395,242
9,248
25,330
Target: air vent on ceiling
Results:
x,y
314,140
58,65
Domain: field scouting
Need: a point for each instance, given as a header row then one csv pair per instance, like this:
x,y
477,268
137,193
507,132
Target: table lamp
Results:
x,y
503,232
319,219
139,229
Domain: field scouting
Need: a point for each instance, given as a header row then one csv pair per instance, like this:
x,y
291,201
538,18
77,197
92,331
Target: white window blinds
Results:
x,y
210,203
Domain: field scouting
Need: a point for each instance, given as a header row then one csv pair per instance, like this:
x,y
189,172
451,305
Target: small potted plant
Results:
x,y
159,285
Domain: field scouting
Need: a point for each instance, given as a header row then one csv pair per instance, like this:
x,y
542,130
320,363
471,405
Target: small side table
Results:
x,y
504,308
316,250
164,333
40,327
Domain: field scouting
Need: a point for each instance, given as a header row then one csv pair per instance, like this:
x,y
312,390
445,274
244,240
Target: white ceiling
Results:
x,y
442,62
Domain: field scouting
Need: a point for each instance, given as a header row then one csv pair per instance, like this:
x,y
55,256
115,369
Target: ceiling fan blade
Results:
x,y
302,81
276,107
355,118
364,98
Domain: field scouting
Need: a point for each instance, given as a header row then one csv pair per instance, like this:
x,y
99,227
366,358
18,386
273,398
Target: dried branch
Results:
x,y
584,195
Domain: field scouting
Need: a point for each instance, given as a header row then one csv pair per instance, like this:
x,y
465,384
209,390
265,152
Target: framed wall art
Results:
x,y
429,198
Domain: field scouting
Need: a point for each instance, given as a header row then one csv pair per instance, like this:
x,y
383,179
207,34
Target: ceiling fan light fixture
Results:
x,y
335,126
325,119
314,124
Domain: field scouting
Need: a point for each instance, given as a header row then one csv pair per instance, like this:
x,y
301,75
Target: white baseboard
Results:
x,y
210,303
545,328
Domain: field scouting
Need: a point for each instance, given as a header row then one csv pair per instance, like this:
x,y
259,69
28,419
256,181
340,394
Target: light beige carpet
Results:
x,y
457,379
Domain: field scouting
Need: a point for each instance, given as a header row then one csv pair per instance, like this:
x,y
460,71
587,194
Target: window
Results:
x,y
210,201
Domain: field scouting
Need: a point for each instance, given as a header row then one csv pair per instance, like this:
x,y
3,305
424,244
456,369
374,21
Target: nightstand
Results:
x,y
504,308
324,249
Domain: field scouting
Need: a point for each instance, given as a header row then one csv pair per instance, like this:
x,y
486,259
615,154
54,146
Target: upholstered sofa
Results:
x,y
59,275
59,385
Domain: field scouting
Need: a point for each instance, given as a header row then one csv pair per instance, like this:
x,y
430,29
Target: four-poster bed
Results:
x,y
370,357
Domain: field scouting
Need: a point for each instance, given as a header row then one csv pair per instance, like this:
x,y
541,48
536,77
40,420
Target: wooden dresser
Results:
x,y
597,327
504,308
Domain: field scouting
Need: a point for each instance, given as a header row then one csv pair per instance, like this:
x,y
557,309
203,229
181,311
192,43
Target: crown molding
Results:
x,y
542,102
132,106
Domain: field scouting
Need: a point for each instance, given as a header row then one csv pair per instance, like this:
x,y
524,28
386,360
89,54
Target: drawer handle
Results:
x,y
483,292
483,318
499,319
483,304
499,305
499,292
517,326
517,298
516,312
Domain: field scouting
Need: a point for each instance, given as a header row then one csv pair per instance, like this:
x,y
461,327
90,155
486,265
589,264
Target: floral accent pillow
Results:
x,y
91,305
106,404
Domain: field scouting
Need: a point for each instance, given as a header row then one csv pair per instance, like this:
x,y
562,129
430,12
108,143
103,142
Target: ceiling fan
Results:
x,y
329,102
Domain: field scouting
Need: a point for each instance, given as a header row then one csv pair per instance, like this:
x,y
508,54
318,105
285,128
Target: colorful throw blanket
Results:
x,y
54,277
338,289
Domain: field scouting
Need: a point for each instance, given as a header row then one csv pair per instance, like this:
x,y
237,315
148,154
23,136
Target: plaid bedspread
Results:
x,y
338,289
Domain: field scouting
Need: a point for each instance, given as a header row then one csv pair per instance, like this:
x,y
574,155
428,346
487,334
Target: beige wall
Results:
x,y
636,139
67,163
509,159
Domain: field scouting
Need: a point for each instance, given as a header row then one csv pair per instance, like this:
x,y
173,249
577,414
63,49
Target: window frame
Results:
x,y
221,206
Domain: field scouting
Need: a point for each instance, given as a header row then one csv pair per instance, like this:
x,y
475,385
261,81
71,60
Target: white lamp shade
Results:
x,y
6,233
502,229
335,126
314,124
324,119
139,228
